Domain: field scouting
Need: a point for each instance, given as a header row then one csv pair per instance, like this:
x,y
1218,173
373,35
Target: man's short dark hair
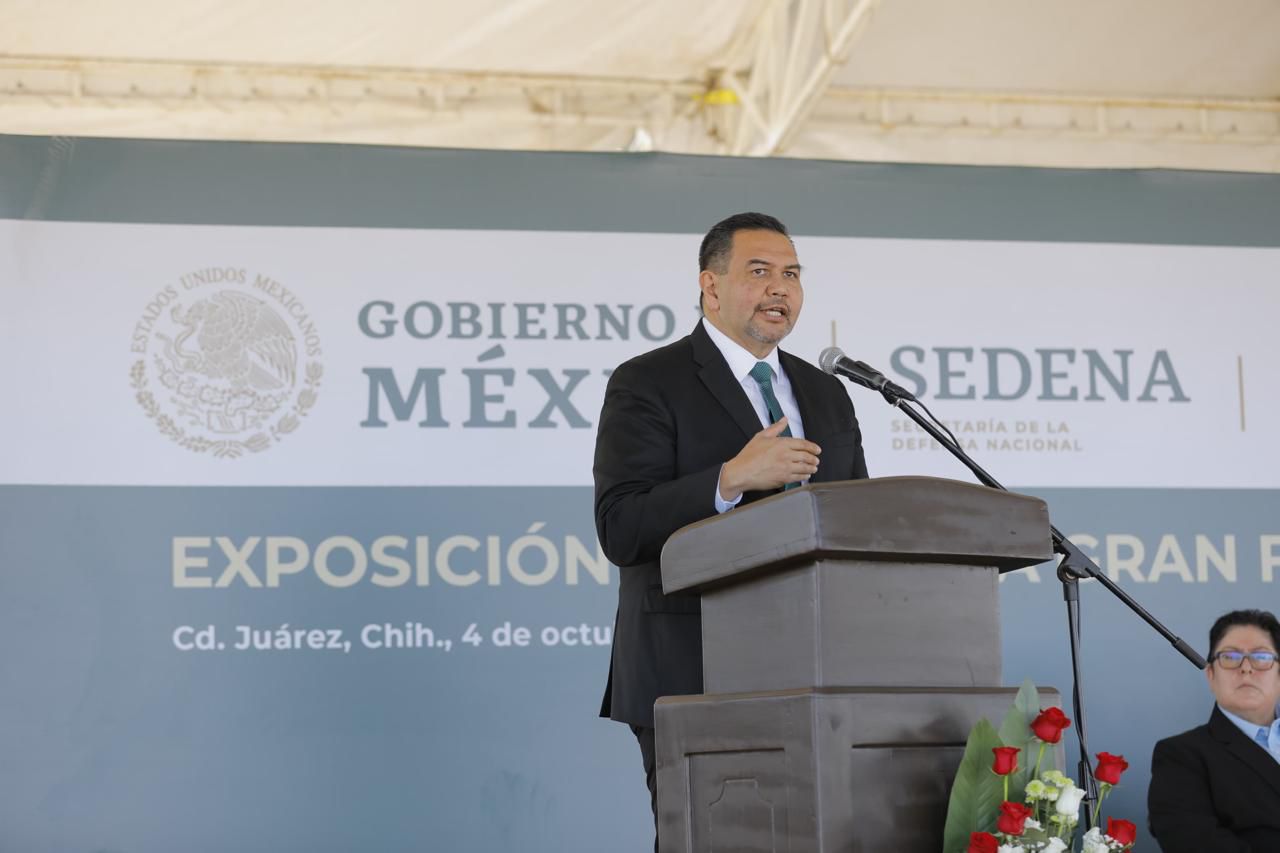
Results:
x,y
1263,619
718,244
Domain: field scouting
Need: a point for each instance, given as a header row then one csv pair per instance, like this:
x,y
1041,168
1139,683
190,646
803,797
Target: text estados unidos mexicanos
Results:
x,y
269,287
208,562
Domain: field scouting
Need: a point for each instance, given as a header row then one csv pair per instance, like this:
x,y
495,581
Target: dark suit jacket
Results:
x,y
671,418
1213,790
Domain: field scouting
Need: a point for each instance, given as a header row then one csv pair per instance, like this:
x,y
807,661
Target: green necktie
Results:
x,y
762,373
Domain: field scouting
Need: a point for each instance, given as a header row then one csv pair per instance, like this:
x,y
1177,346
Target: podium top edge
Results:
x,y
893,519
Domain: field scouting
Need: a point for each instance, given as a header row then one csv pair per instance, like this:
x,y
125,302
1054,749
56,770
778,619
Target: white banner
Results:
x,y
212,355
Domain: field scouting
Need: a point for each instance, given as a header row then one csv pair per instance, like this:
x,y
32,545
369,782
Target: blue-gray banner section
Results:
x,y
310,711
219,183
404,669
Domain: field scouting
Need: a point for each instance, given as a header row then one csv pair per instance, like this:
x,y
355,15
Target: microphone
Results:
x,y
833,360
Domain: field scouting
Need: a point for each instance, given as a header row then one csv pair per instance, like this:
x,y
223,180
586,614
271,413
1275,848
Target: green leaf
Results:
x,y
1015,730
1026,707
976,793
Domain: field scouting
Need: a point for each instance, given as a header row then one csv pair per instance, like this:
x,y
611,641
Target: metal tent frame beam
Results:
x,y
779,106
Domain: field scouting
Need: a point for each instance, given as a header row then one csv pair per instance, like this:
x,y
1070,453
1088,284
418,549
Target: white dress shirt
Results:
x,y
740,363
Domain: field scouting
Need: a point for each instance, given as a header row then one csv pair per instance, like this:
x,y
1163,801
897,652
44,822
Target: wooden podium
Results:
x,y
851,638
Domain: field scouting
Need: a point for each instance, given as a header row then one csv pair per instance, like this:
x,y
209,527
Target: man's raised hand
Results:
x,y
769,461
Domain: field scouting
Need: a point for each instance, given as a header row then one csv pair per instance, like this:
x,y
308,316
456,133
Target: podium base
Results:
x,y
815,770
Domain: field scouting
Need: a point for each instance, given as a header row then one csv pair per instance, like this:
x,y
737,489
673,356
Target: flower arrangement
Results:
x,y
1000,805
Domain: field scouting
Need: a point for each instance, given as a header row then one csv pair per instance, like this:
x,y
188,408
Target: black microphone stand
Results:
x,y
1074,567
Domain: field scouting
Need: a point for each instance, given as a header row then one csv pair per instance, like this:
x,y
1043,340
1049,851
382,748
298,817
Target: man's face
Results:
x,y
757,299
1246,692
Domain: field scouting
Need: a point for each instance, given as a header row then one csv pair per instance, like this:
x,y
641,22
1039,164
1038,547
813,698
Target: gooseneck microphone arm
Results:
x,y
1075,564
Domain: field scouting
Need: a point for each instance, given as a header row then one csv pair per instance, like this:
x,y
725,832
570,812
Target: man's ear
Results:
x,y
710,297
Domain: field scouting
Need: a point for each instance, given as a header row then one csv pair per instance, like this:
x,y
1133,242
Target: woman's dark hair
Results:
x,y
1263,619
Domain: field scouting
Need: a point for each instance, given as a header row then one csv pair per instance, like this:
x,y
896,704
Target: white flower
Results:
x,y
1009,848
1032,823
1055,845
1068,803
1094,842
1036,790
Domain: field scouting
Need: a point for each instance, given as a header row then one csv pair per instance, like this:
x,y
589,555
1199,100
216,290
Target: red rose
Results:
x,y
1006,760
1013,817
1049,725
1109,768
983,842
1122,831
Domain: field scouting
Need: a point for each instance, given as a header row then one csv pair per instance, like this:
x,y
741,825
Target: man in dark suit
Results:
x,y
1217,787
718,418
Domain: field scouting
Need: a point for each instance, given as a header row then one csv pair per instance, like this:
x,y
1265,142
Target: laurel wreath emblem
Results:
x,y
228,364
228,447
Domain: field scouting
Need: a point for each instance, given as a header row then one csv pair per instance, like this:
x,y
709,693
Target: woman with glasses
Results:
x,y
1217,787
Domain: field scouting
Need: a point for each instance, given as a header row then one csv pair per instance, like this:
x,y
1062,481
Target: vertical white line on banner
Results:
x,y
833,332
1240,378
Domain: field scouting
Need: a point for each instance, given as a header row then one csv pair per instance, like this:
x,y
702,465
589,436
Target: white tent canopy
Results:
x,y
1172,83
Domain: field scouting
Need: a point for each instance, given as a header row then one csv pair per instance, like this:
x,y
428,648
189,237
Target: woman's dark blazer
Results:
x,y
1213,790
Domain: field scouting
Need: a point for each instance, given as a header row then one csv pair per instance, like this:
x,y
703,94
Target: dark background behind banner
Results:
x,y
113,739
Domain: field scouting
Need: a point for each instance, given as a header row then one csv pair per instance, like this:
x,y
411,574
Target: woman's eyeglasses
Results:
x,y
1232,660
